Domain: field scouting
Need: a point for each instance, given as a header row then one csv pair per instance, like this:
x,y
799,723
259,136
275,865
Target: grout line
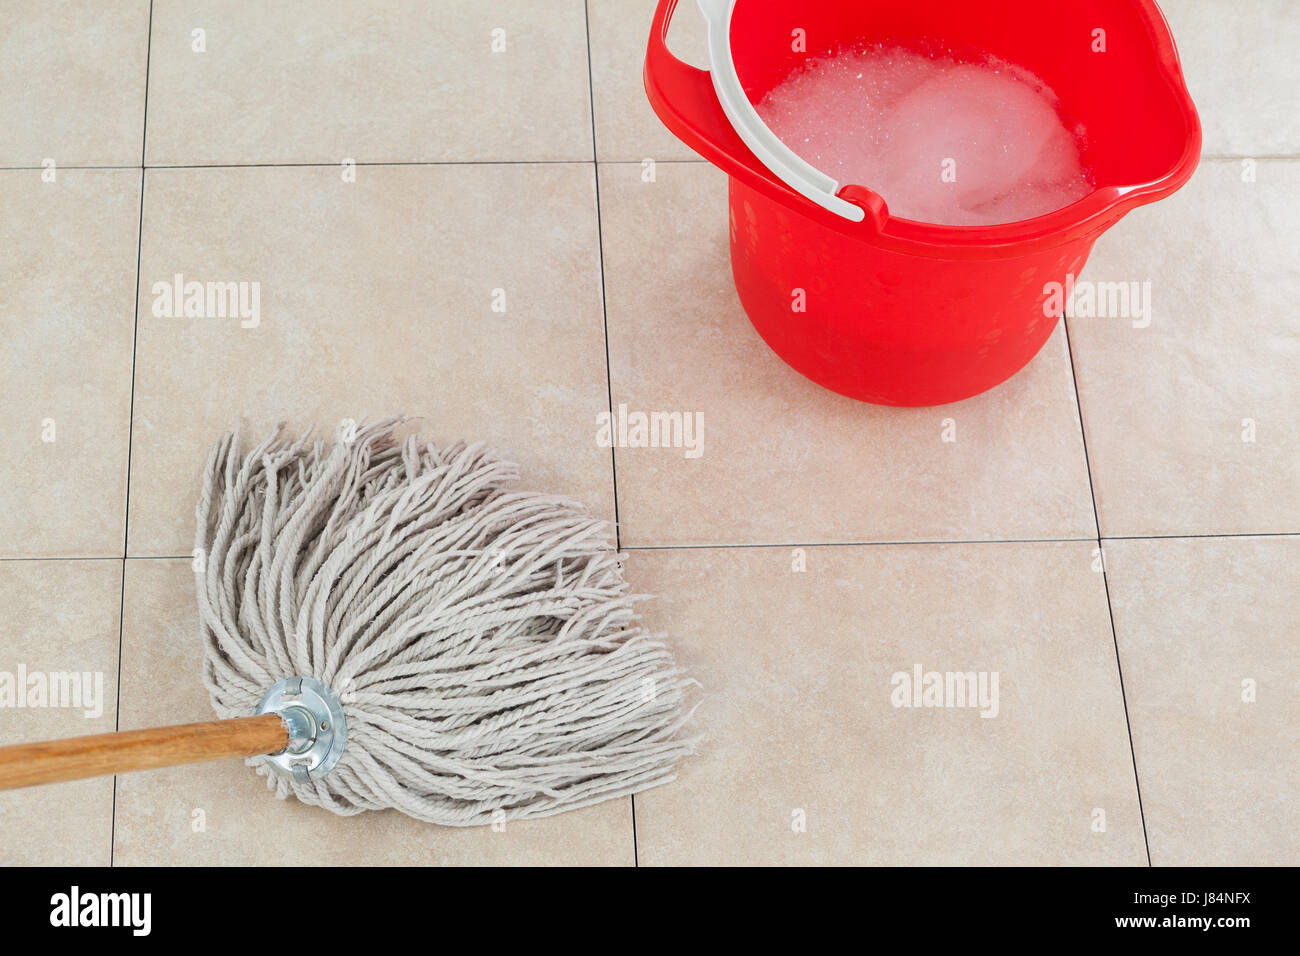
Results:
x,y
69,557
1105,581
697,161
61,168
600,255
724,546
845,544
412,162
636,852
1207,534
130,422
604,317
943,541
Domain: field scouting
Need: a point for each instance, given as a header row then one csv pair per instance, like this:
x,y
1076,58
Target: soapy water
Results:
x,y
942,141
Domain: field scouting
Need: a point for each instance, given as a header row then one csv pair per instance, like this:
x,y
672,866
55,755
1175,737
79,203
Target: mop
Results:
x,y
387,624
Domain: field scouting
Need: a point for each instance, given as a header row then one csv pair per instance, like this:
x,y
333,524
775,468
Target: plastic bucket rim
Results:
x,y
1091,213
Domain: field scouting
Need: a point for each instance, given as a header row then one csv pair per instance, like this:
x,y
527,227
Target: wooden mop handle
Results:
x,y
99,755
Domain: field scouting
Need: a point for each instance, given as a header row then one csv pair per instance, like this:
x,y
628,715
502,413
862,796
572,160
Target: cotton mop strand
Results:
x,y
482,641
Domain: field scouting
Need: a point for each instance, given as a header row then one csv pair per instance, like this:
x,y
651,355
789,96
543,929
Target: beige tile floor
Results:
x,y
1148,703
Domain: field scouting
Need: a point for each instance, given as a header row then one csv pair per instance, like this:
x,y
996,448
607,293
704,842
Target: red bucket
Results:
x,y
890,310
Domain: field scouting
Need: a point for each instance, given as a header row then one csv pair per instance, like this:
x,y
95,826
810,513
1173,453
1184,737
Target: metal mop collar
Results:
x,y
435,642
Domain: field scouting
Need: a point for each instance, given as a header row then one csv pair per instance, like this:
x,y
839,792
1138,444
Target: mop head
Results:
x,y
482,640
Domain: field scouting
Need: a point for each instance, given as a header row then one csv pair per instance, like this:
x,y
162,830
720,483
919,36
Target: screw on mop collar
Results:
x,y
317,729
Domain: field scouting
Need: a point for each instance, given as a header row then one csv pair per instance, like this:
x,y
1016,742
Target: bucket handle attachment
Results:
x,y
792,170
709,111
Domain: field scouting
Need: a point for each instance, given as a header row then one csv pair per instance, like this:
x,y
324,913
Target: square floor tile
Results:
x,y
73,75
809,756
1191,411
223,814
1207,636
306,81
376,297
626,126
58,656
783,460
1242,72
67,252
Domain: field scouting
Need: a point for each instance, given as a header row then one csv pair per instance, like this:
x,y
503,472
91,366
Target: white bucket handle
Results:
x,y
782,161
